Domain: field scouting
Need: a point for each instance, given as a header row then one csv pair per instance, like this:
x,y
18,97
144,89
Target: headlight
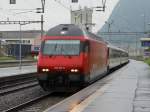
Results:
x,y
45,70
74,70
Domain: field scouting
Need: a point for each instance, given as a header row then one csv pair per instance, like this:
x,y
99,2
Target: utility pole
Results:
x,y
109,28
42,26
42,22
42,10
43,5
103,7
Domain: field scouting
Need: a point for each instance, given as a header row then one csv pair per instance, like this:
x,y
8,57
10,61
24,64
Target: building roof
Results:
x,y
145,39
16,34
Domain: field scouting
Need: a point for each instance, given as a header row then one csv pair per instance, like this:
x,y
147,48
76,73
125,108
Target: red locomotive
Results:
x,y
71,57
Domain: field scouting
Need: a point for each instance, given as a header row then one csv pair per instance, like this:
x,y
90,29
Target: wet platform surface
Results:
x,y
125,90
10,71
128,92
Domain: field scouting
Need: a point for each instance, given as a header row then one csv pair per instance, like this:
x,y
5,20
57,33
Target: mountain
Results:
x,y
128,16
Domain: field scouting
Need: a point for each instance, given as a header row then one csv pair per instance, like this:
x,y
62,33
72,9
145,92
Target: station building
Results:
x,y
10,42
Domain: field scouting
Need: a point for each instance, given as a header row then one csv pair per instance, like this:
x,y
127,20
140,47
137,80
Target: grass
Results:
x,y
147,61
5,58
10,58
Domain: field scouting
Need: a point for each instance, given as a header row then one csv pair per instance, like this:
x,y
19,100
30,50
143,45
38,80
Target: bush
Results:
x,y
147,61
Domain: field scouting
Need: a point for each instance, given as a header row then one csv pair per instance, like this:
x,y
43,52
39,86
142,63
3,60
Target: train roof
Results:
x,y
71,30
65,30
117,48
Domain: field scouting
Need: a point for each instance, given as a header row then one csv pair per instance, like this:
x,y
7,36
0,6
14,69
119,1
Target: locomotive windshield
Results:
x,y
61,47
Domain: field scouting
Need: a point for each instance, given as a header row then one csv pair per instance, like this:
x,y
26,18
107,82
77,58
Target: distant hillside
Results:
x,y
128,16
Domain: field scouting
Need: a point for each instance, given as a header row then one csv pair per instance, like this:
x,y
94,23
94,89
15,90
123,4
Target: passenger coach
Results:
x,y
117,56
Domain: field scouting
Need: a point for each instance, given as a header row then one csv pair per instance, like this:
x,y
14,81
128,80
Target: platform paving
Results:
x,y
128,92
10,71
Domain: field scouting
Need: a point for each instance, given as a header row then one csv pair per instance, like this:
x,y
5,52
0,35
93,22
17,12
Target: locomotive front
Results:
x,y
62,58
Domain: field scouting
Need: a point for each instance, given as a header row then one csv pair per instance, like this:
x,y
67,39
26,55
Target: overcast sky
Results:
x,y
55,13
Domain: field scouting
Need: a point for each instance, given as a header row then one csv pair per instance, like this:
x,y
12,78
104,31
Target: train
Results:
x,y
35,51
72,57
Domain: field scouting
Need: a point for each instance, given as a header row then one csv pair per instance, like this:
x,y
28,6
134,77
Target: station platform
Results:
x,y
129,92
125,90
10,71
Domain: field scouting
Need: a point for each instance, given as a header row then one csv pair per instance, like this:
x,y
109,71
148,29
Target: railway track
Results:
x,y
17,88
26,88
15,83
48,98
12,80
28,103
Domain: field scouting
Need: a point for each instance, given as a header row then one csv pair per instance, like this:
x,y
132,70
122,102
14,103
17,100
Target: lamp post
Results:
x,y
0,42
20,43
20,46
144,22
149,29
136,46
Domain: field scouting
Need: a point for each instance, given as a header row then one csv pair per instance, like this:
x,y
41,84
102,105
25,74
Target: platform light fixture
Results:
x,y
74,1
12,1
